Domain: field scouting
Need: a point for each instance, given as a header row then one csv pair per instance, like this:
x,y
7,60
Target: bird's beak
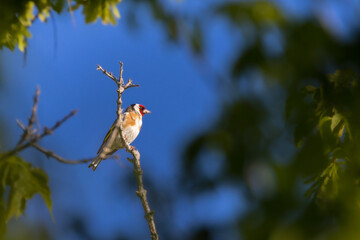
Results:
x,y
145,111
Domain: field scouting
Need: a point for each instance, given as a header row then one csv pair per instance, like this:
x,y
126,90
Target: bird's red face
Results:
x,y
143,110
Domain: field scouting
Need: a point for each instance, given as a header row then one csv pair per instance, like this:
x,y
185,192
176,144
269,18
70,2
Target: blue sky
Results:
x,y
61,60
181,102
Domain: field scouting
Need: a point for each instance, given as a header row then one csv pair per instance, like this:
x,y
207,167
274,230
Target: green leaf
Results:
x,y
44,14
28,15
106,10
18,16
22,43
329,139
335,121
115,11
43,188
24,182
325,185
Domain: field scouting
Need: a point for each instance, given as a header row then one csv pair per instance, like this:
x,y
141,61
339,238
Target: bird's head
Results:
x,y
140,109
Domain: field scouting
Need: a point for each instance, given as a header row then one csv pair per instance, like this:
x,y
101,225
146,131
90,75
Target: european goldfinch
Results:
x,y
131,125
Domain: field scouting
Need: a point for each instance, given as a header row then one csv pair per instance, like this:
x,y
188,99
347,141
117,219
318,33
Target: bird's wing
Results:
x,y
107,137
129,121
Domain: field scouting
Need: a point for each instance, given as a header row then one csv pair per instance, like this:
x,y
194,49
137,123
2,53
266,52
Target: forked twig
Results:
x,y
31,136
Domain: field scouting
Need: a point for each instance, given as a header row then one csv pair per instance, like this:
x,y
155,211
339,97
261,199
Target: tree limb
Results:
x,y
141,192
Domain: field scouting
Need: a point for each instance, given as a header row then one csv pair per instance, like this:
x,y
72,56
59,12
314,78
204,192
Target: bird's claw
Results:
x,y
131,148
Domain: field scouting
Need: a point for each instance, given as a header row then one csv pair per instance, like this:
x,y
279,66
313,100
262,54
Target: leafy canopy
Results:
x,y
16,17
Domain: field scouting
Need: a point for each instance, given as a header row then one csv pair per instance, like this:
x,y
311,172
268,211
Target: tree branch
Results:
x,y
49,131
51,154
109,74
31,136
141,192
32,118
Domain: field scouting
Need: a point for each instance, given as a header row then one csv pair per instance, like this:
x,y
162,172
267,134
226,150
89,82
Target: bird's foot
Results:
x,y
131,148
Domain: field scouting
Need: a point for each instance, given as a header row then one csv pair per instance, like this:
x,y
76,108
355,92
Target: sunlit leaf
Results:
x,y
335,121
115,11
17,16
44,14
105,10
28,15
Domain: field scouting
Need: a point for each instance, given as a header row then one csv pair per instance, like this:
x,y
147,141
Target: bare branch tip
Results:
x,y
20,124
74,112
37,91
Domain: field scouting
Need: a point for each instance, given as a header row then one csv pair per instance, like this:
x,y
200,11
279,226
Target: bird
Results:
x,y
131,126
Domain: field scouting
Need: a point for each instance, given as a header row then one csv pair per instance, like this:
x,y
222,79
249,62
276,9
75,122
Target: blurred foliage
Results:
x,y
300,187
16,17
106,10
19,183
258,13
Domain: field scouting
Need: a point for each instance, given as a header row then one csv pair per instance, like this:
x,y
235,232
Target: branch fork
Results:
x,y
31,135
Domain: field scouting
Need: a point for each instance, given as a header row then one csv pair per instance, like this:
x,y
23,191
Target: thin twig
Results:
x,y
109,74
48,131
51,154
130,84
32,119
121,80
20,124
141,192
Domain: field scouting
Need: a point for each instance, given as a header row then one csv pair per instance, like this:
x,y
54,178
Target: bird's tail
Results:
x,y
95,163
